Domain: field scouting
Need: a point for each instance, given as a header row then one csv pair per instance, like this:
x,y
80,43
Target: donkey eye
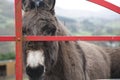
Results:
x,y
29,32
24,32
48,29
23,29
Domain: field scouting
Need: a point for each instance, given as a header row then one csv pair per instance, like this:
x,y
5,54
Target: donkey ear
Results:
x,y
27,5
24,5
50,4
48,29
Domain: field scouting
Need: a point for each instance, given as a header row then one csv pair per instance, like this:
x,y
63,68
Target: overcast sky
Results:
x,y
82,4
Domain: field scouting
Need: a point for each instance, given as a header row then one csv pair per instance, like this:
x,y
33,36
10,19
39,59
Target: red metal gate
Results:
x,y
19,38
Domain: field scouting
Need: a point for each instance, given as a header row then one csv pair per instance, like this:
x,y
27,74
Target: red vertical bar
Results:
x,y
18,24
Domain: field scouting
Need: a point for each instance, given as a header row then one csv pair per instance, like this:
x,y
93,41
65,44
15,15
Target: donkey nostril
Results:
x,y
35,72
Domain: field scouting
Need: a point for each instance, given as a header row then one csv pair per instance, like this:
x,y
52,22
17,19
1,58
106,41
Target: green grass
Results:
x,y
11,78
25,77
7,56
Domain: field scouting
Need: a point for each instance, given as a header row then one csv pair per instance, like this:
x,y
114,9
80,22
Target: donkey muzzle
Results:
x,y
35,73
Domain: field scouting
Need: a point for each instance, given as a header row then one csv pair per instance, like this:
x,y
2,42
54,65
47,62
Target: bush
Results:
x,y
7,56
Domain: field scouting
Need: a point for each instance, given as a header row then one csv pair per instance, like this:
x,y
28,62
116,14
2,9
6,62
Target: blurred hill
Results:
x,y
104,14
92,25
6,25
6,18
79,22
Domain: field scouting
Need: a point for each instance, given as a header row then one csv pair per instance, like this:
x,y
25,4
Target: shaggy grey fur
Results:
x,y
115,62
64,60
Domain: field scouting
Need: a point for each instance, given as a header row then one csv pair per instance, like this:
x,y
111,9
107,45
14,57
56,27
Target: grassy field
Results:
x,y
11,78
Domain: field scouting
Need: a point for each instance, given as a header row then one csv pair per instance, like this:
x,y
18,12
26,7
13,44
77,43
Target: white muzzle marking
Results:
x,y
35,58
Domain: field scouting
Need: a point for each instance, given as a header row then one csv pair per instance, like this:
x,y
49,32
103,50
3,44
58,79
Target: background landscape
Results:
x,y
79,22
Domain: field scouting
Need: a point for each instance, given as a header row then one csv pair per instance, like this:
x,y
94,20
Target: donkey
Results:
x,y
115,61
58,60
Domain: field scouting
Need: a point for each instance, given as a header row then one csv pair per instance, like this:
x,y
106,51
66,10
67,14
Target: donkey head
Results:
x,y
40,57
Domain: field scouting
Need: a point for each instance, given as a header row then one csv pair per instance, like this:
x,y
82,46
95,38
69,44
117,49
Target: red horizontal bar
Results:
x,y
72,38
63,38
7,38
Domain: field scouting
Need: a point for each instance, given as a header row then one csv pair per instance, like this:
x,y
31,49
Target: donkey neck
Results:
x,y
72,61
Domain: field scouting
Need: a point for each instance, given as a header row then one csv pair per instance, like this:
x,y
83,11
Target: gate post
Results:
x,y
18,26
